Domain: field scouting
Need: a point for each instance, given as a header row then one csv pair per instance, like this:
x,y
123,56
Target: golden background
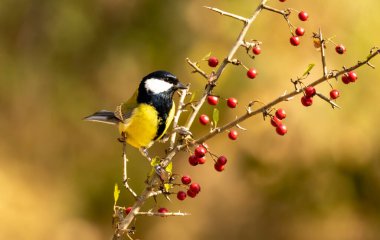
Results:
x,y
63,60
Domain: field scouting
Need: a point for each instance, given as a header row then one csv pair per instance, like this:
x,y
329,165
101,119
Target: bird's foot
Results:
x,y
144,152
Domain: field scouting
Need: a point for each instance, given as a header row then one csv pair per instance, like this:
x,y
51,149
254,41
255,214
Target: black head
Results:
x,y
160,82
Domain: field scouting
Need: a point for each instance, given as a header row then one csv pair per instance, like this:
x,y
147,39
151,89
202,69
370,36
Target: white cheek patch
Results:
x,y
157,86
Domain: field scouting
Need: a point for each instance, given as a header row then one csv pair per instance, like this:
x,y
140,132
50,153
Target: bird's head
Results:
x,y
160,82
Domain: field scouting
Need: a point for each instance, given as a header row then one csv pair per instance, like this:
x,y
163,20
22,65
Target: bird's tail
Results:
x,y
103,116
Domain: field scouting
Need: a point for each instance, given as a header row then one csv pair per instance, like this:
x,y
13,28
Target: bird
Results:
x,y
147,115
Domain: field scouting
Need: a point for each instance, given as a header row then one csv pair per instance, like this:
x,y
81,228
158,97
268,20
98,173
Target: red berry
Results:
x,y
340,49
200,151
212,100
213,62
352,76
162,210
181,195
202,160
193,160
233,134
307,101
310,91
252,73
256,50
275,121
195,187
345,79
191,193
186,179
280,113
219,167
222,160
204,119
281,129
334,94
303,16
295,40
300,31
128,210
232,102
282,0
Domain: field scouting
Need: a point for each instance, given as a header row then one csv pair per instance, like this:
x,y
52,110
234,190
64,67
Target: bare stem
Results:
x,y
168,214
223,13
271,9
177,115
125,171
196,68
323,53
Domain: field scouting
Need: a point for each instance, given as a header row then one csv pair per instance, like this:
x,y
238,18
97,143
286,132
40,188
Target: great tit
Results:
x,y
146,116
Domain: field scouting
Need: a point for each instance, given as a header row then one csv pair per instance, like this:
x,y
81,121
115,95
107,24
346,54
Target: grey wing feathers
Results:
x,y
103,116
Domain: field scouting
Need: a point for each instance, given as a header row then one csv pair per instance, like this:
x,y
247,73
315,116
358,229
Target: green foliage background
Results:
x,y
62,60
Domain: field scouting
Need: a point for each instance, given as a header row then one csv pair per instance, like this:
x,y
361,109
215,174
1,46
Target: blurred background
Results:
x,y
63,60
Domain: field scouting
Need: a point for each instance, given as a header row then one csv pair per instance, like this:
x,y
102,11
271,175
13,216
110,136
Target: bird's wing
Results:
x,y
124,111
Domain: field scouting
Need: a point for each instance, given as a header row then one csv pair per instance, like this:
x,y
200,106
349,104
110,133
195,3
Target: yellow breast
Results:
x,y
141,128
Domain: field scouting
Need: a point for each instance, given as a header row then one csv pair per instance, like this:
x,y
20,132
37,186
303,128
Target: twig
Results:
x,y
221,12
323,53
196,68
177,115
332,103
125,172
282,12
168,214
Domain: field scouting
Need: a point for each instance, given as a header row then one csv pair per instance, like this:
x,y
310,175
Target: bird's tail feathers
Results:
x,y
103,116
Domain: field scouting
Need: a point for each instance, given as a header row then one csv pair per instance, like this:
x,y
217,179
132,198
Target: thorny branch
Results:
x,y
122,226
154,182
282,98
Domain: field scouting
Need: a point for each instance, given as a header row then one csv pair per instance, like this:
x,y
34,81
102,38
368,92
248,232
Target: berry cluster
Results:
x,y
192,190
299,31
349,77
309,93
276,122
199,156
220,163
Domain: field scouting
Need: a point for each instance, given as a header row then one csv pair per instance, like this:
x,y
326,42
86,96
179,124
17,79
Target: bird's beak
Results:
x,y
181,86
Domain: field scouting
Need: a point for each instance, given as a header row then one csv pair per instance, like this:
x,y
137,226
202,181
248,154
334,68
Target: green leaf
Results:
x,y
169,168
155,161
311,66
116,193
168,186
215,116
206,57
192,97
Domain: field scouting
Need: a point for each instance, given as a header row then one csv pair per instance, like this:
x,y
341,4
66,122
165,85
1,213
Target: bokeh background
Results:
x,y
63,60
